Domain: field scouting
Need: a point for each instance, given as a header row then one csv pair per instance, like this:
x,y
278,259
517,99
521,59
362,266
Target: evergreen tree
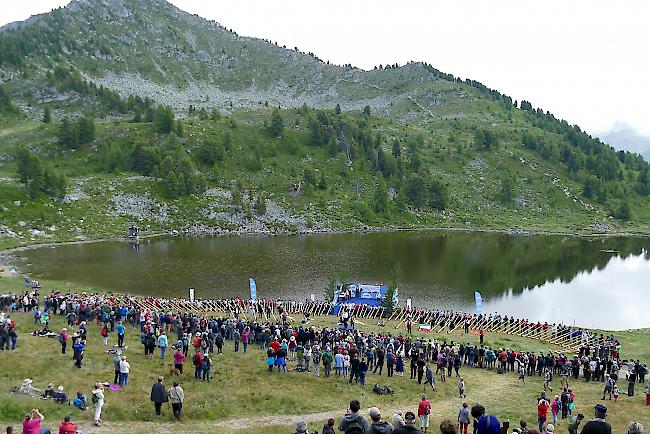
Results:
x,y
396,149
277,124
260,206
86,126
215,115
163,119
179,128
47,116
137,117
366,110
203,114
337,109
332,147
322,184
68,134
380,198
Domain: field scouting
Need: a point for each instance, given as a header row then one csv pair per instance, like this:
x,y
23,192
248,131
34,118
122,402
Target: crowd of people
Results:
x,y
344,351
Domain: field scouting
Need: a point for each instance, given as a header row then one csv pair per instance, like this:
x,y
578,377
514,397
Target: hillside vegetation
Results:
x,y
163,118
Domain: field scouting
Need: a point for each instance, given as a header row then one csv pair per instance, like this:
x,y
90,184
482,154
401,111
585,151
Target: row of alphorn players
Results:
x,y
439,321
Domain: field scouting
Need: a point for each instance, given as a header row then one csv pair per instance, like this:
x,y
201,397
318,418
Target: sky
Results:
x,y
584,60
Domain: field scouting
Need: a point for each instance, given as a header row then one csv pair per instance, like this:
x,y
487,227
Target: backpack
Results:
x,y
61,339
355,428
95,399
104,332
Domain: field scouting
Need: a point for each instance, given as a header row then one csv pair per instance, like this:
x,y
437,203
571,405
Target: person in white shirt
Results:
x,y
98,399
125,367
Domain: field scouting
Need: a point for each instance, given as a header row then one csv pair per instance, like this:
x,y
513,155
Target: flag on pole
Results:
x,y
479,302
253,286
425,328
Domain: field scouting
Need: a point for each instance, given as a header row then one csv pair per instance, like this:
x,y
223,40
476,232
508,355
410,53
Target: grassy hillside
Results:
x,y
343,184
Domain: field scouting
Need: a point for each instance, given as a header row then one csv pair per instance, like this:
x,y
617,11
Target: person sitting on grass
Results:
x,y
81,402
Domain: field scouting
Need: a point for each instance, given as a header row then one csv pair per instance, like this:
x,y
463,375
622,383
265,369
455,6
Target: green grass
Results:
x,y
244,394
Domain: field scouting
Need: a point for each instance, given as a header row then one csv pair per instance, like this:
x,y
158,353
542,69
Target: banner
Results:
x,y
479,302
312,297
408,303
192,295
253,286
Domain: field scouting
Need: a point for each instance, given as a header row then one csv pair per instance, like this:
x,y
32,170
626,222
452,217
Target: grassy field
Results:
x,y
243,397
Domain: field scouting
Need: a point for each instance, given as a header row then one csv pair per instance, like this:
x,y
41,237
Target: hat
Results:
x,y
60,388
635,428
301,427
409,415
50,385
550,428
374,412
600,408
27,381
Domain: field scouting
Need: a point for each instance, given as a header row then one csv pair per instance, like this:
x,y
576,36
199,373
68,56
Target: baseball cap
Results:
x,y
409,415
374,412
550,428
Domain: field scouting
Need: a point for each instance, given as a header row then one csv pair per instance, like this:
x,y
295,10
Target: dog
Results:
x,y
173,370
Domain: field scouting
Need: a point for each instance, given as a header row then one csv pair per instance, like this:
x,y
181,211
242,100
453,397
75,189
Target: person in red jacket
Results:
x,y
542,411
67,427
424,409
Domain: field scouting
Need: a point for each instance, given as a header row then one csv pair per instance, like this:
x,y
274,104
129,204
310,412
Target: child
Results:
x,y
616,393
461,387
399,365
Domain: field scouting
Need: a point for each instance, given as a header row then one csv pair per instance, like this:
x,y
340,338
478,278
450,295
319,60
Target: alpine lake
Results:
x,y
600,282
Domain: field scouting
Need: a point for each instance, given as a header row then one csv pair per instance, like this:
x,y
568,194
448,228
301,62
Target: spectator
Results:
x,y
424,409
635,428
409,425
159,395
81,402
68,427
98,400
125,368
485,423
574,423
463,419
328,428
301,427
598,425
353,422
32,423
397,421
447,427
542,411
377,426
176,396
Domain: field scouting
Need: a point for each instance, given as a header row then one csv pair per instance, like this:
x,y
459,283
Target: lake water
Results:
x,y
590,282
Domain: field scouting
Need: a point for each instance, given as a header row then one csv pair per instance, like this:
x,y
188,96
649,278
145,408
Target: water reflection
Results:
x,y
439,269
612,297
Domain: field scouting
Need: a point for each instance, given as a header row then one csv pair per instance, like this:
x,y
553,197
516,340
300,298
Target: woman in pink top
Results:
x,y
179,359
556,406
32,423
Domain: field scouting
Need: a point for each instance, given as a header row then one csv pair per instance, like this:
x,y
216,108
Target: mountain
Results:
x,y
133,110
626,137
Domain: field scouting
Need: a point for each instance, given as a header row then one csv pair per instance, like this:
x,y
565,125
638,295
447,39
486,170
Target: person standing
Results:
x,y
78,352
121,330
162,343
176,397
599,424
104,333
98,400
159,395
179,359
463,419
542,411
63,340
424,409
125,368
116,368
353,419
377,426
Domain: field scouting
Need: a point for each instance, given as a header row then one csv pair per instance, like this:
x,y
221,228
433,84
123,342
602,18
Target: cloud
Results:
x,y
624,136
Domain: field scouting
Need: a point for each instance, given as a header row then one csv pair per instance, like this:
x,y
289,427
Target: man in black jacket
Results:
x,y
159,395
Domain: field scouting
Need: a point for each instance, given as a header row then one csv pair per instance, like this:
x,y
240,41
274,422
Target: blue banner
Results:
x,y
479,302
251,283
